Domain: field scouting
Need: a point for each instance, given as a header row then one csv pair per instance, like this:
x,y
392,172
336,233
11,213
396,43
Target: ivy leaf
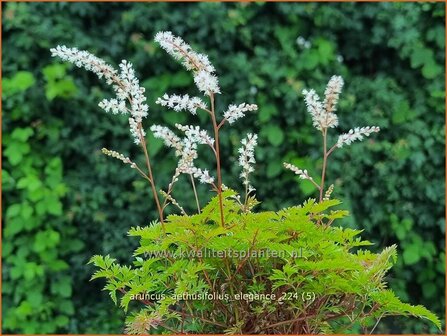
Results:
x,y
411,254
274,135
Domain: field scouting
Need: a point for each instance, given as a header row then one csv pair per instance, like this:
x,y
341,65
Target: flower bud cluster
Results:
x,y
247,158
118,156
300,172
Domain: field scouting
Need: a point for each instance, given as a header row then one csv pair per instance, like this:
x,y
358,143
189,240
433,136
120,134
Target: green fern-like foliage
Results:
x,y
319,277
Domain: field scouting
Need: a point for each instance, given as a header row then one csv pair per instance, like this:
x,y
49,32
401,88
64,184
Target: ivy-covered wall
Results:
x,y
63,201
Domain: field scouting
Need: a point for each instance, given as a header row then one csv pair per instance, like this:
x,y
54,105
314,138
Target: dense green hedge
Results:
x,y
64,201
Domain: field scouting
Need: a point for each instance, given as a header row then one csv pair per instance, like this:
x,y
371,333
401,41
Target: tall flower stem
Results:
x,y
151,178
217,153
325,155
246,197
195,192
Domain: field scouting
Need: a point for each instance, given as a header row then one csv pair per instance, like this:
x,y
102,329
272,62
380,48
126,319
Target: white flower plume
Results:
x,y
129,88
204,77
356,134
180,103
196,134
247,158
182,51
300,172
323,115
314,107
125,84
86,60
236,112
332,93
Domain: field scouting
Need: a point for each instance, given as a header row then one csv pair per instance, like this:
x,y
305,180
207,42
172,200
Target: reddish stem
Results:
x,y
151,177
325,155
217,153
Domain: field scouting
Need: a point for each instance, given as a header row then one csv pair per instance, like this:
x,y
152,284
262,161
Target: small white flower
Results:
x,y
301,173
179,103
356,134
206,82
202,175
135,131
247,158
168,137
236,112
196,134
114,106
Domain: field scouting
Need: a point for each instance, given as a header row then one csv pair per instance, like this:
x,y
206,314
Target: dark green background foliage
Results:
x,y
64,201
